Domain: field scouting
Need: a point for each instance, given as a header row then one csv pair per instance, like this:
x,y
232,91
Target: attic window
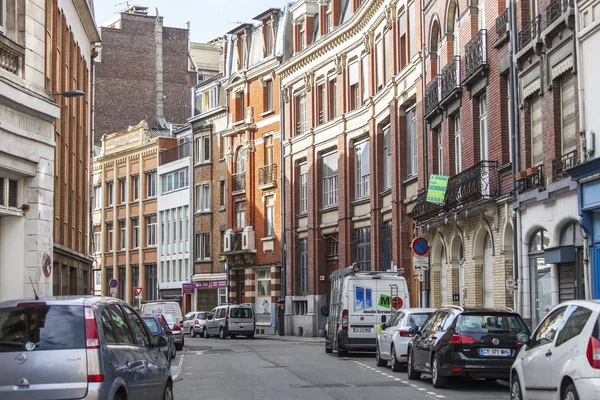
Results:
x,y
268,39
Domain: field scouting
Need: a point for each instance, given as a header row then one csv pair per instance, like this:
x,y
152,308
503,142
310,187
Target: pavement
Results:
x,y
276,367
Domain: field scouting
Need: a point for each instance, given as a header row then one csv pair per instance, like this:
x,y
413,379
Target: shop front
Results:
x,y
208,294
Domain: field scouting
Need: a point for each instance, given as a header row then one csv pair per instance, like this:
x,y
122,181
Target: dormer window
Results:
x,y
302,39
268,38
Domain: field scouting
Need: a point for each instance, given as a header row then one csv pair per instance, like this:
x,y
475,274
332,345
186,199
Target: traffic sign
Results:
x,y
421,276
113,292
113,283
420,246
397,303
421,262
138,291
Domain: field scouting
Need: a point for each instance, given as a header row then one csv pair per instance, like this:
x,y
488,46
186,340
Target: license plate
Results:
x,y
361,330
495,352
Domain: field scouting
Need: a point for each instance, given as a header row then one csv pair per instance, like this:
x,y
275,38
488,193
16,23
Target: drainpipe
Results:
x,y
425,144
282,280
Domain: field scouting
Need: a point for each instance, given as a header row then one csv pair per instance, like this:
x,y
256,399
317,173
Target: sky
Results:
x,y
209,18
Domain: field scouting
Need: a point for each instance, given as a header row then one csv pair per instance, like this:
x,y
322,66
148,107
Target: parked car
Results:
x,y
196,323
561,360
160,328
392,341
230,320
157,307
470,342
176,329
80,348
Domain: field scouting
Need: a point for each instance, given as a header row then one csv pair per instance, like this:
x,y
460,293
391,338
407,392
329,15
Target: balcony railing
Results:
x,y
432,95
451,78
533,180
562,163
476,54
530,32
300,127
267,175
11,56
239,239
236,241
555,9
502,21
321,117
478,183
238,183
175,153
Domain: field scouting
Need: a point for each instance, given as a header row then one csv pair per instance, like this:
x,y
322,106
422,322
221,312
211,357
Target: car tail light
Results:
x,y
227,319
461,339
593,352
345,320
405,333
181,323
456,369
196,322
176,328
92,341
95,378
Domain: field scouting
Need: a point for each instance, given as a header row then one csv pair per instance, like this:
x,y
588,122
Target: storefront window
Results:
x,y
540,272
263,298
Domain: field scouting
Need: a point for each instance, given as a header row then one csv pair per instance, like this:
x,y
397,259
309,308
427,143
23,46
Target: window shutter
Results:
x,y
353,73
537,147
365,78
568,117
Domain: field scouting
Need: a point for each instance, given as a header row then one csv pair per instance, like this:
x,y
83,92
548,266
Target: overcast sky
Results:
x,y
209,18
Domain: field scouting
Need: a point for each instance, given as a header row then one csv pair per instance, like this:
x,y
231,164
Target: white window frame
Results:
x,y
270,216
263,275
411,138
151,231
203,197
362,179
303,187
97,197
110,229
202,251
365,78
151,184
380,63
457,145
175,180
240,215
110,193
135,239
330,181
122,235
353,81
135,183
269,89
440,153
484,151
97,241
122,191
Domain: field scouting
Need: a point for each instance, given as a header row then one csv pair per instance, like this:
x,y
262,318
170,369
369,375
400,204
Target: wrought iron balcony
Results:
x,y
423,210
555,9
476,55
300,127
451,79
534,179
530,32
12,56
432,95
238,183
502,21
267,175
562,163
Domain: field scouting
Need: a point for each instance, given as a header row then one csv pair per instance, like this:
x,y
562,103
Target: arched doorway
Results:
x,y
488,271
541,280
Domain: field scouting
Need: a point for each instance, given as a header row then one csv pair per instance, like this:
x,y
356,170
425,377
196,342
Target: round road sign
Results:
x,y
397,303
113,283
420,246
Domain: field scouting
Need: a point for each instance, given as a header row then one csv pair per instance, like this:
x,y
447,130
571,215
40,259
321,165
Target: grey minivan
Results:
x,y
230,320
79,348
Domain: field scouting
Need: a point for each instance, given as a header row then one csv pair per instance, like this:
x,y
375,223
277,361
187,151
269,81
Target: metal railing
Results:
x,y
502,21
527,34
476,53
451,78
300,127
432,95
12,56
562,163
175,153
532,181
321,117
238,183
267,175
555,9
236,241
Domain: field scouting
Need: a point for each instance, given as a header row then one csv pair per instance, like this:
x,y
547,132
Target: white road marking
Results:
x,y
422,389
179,368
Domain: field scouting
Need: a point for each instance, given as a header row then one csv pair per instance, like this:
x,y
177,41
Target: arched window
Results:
x,y
240,160
571,235
541,294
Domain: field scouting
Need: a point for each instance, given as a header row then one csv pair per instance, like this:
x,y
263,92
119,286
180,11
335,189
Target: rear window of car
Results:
x,y
490,323
417,319
202,315
41,327
152,325
240,313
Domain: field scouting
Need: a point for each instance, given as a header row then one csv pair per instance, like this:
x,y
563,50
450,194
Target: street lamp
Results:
x,y
70,93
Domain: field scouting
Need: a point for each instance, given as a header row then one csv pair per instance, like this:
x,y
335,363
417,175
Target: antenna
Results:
x,y
33,287
124,2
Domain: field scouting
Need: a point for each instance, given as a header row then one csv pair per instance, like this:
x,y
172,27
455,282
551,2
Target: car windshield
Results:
x,y
152,325
240,313
490,323
38,326
417,319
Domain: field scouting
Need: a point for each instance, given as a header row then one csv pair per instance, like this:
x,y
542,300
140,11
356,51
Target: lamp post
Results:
x,y
70,93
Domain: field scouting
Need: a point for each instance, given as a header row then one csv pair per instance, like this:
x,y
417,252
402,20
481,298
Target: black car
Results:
x,y
159,327
468,342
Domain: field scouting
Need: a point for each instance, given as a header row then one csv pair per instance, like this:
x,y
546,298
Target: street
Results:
x,y
299,368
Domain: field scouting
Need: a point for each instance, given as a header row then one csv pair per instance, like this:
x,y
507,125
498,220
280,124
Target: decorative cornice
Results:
x,y
286,93
340,62
308,80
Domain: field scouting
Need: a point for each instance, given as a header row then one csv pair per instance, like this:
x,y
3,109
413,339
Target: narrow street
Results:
x,y
300,369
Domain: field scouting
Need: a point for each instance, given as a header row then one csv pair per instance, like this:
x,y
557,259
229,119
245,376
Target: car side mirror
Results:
x,y
383,318
413,329
523,338
383,326
159,341
324,311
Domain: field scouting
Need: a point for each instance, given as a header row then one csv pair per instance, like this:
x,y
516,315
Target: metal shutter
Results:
x,y
568,116
566,282
537,139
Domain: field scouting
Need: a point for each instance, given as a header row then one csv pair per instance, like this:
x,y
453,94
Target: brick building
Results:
x,y
144,72
352,146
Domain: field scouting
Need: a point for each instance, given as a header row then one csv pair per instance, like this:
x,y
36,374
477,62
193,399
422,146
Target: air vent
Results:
x,y
12,193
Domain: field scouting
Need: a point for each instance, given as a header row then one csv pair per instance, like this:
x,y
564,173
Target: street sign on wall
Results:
x,y
420,246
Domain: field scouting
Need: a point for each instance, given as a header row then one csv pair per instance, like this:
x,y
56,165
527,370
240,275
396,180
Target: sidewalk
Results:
x,y
302,339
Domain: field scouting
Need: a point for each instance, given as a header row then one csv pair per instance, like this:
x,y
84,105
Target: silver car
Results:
x,y
177,330
230,320
79,348
195,325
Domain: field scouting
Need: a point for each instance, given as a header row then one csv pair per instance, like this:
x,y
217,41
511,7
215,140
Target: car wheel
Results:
x,y
437,379
205,334
410,370
118,396
396,366
378,360
168,392
193,333
222,334
570,393
515,388
340,351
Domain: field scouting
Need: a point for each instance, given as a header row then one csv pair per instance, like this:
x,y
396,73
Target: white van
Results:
x,y
360,303
155,308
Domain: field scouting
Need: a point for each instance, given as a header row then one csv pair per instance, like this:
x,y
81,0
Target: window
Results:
x,y
363,298
365,78
222,193
269,150
240,106
412,42
411,141
332,97
122,235
109,237
387,158
11,187
263,282
135,182
457,146
3,17
109,193
302,266
151,281
203,246
137,327
547,330
122,278
97,196
300,113
268,95
567,113
353,81
483,129
203,197
321,103
329,19
440,153
380,63
577,318
386,246
303,189
151,231
121,333
402,36
205,148
537,147
362,243
240,214
122,191
136,232
363,169
302,41
270,216
480,16
186,231
97,240
330,179
268,29
175,180
151,184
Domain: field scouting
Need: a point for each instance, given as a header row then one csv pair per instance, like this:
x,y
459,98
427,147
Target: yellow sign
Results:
x,y
437,189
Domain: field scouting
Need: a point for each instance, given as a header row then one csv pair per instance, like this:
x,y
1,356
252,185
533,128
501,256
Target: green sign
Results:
x,y
385,301
437,189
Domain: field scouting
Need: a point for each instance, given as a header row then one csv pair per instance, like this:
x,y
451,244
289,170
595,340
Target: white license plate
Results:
x,y
495,352
361,330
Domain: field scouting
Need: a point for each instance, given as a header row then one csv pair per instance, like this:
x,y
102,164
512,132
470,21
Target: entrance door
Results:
x,y
488,272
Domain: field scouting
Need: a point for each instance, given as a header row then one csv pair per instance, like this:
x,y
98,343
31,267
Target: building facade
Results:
x,y
352,146
125,219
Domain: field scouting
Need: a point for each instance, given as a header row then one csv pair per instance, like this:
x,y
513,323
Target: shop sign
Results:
x,y
187,288
210,284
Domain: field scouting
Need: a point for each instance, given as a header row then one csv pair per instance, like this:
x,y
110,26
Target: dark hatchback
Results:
x,y
159,327
468,342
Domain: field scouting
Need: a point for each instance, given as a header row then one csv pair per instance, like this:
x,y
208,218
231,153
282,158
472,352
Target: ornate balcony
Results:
x,y
555,9
300,128
530,32
239,246
450,80
502,22
12,56
562,163
238,183
476,56
432,96
531,179
267,175
477,184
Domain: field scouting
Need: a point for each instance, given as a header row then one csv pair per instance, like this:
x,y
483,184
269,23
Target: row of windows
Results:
x,y
123,192
135,238
175,180
175,270
174,231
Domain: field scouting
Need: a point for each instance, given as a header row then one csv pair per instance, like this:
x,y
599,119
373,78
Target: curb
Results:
x,y
179,368
291,339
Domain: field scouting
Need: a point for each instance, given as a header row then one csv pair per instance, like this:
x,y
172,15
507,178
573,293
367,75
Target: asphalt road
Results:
x,y
287,369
